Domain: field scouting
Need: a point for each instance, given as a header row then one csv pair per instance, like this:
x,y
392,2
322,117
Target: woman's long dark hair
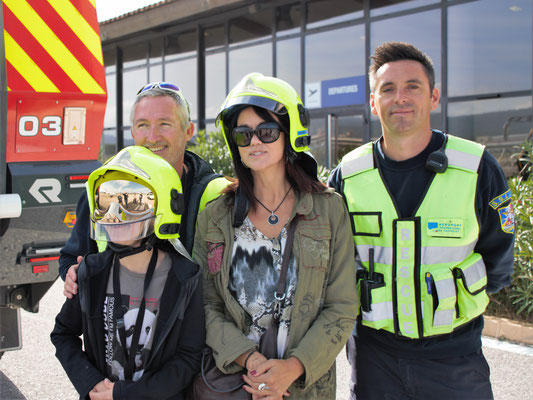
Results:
x,y
298,178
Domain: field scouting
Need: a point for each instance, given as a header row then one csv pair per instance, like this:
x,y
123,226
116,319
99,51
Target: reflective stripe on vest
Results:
x,y
357,160
380,311
432,276
475,273
405,275
463,154
430,255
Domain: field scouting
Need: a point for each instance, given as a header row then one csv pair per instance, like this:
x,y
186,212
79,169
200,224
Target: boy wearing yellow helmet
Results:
x,y
139,305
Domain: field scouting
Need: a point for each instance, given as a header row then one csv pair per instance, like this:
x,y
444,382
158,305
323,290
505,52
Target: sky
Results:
x,y
107,9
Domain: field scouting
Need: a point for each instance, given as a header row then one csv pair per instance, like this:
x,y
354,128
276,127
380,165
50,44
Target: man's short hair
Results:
x,y
183,109
398,51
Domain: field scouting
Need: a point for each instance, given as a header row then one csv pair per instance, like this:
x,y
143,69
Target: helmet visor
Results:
x,y
124,211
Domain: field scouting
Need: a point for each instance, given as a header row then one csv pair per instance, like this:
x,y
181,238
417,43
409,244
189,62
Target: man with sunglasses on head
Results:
x,y
160,121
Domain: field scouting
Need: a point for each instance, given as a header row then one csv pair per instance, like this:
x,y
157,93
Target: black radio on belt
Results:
x,y
371,280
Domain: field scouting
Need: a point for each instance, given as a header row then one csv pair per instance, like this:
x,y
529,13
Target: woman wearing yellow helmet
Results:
x,y
241,240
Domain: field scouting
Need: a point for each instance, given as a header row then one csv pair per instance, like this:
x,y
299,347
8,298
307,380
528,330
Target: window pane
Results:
x,y
156,59
501,124
156,73
380,7
288,19
489,47
349,135
420,29
134,54
325,12
249,59
251,27
156,50
133,80
335,74
484,120
214,37
215,83
183,74
110,119
128,139
317,131
210,127
110,60
108,147
288,62
345,58
180,45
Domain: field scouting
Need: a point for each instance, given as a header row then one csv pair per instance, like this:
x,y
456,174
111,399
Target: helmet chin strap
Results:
x,y
124,251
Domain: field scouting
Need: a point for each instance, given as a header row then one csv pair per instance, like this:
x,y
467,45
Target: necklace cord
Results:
x,y
273,219
279,205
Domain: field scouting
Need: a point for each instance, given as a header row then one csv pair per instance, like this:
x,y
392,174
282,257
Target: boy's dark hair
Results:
x,y
296,175
398,51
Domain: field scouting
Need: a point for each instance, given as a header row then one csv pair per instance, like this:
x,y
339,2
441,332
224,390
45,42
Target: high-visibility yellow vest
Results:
x,y
433,281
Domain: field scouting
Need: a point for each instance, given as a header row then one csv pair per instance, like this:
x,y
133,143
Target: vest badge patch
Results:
x,y
445,227
498,201
507,218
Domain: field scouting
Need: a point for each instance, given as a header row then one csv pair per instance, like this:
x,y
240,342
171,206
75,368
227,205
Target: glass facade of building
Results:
x,y
482,51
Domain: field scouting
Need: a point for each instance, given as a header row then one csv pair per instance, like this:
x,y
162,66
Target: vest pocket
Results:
x,y
471,280
439,298
366,223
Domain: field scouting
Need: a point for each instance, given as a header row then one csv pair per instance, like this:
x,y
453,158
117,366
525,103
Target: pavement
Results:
x,y
33,373
506,329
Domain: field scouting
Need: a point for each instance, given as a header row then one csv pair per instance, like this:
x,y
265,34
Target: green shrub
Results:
x,y
323,174
516,301
212,148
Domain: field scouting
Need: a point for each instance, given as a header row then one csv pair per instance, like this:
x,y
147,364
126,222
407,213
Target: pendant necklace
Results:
x,y
273,219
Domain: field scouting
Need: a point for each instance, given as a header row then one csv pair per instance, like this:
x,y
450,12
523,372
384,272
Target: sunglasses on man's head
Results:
x,y
267,132
160,85
166,86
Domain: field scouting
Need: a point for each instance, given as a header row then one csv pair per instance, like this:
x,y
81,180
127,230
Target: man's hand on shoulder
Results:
x,y
70,287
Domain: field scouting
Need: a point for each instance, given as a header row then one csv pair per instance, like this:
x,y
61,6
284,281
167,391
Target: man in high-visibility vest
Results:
x,y
160,122
433,226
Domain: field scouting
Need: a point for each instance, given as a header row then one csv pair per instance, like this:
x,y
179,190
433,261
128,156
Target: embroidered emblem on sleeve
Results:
x,y
215,251
502,198
507,218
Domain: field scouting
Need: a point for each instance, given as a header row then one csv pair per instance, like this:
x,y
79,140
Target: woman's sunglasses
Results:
x,y
267,132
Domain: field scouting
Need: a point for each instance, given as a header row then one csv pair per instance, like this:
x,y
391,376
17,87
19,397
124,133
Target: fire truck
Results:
x,y
52,106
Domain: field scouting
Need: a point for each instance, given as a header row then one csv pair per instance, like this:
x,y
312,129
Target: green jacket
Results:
x,y
325,302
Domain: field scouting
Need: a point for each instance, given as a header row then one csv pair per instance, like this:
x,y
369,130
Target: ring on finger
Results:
x,y
263,386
